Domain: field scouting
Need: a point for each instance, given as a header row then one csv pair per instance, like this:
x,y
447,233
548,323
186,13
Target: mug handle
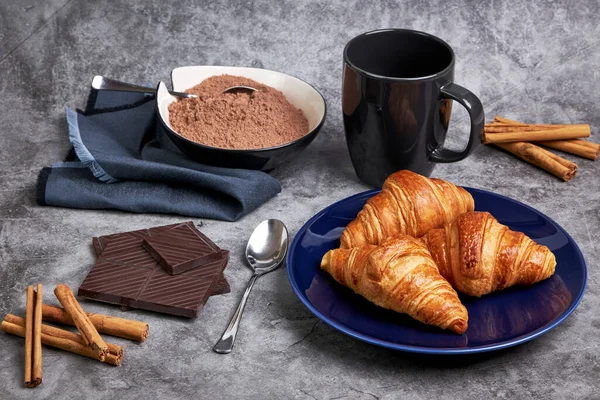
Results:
x,y
473,105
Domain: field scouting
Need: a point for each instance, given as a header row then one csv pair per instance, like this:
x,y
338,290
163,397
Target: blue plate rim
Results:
x,y
438,350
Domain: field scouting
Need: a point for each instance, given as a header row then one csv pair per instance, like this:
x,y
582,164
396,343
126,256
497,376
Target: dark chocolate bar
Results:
x,y
184,294
221,286
126,274
181,249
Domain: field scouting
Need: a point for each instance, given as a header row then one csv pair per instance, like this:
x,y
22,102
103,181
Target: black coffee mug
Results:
x,y
397,97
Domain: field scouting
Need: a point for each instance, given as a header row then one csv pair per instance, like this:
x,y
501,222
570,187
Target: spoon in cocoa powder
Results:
x,y
240,89
104,83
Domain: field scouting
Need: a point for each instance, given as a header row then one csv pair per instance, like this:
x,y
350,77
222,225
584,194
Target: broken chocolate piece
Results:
x,y
221,286
125,275
184,294
181,249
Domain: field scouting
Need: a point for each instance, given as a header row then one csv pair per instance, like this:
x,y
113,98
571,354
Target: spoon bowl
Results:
x,y
240,89
267,246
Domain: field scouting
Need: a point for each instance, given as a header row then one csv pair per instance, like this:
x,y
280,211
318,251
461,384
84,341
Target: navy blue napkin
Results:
x,y
122,159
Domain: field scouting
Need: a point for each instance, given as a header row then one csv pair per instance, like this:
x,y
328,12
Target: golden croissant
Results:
x,y
410,204
478,255
399,275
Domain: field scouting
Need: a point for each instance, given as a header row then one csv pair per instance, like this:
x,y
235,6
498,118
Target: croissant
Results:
x,y
410,204
478,255
399,275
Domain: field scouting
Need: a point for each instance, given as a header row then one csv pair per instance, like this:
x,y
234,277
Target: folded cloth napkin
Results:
x,y
122,159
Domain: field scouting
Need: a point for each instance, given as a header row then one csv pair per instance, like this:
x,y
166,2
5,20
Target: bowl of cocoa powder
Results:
x,y
257,130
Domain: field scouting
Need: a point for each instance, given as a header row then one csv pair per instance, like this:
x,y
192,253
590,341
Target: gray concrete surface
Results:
x,y
526,60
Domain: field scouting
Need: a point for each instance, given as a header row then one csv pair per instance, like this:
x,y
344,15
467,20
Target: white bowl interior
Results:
x,y
300,94
163,99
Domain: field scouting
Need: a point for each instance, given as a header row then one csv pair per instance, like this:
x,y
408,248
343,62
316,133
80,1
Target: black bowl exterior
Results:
x,y
261,159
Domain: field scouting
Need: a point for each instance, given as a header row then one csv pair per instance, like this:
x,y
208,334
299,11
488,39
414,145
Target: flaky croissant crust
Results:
x,y
399,275
478,255
407,204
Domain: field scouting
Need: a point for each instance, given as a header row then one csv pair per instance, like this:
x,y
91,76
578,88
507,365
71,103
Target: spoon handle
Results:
x,y
225,344
103,83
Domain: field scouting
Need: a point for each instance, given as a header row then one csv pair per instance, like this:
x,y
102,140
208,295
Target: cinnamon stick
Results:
x,y
515,134
90,335
29,309
76,347
556,165
61,333
578,147
36,373
502,120
502,128
114,326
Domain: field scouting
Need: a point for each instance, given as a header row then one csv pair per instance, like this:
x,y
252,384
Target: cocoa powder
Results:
x,y
237,120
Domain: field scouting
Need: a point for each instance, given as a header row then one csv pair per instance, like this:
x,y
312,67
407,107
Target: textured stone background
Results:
x,y
530,61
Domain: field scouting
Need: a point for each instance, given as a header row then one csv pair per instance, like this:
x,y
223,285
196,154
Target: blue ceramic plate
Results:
x,y
496,321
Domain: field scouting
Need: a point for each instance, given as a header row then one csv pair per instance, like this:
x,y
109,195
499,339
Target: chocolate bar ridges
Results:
x,y
127,250
113,282
221,286
101,241
117,277
184,294
181,249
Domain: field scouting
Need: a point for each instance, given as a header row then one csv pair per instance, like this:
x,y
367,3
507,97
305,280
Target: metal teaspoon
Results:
x,y
104,83
265,252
